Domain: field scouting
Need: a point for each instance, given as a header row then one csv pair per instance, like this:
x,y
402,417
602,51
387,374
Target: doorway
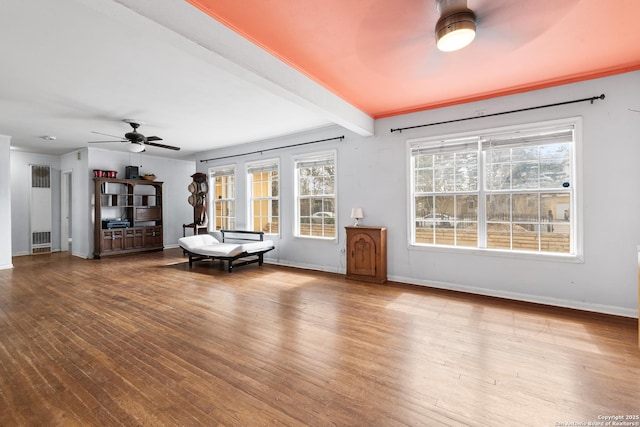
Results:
x,y
66,211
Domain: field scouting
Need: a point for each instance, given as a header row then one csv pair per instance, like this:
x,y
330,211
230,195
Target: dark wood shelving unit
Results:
x,y
137,201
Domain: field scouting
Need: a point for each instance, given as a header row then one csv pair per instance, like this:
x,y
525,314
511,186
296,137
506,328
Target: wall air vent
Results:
x,y
40,209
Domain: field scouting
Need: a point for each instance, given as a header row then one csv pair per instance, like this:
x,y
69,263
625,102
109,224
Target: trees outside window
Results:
x,y
222,185
263,185
315,177
512,190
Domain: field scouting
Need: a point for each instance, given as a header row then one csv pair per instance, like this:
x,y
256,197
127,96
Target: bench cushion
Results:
x,y
207,245
254,247
197,241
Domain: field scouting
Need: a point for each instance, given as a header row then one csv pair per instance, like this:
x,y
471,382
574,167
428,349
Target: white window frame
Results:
x,y
213,173
318,158
576,223
256,167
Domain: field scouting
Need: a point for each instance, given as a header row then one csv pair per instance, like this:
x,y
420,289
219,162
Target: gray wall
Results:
x,y
372,174
5,202
21,199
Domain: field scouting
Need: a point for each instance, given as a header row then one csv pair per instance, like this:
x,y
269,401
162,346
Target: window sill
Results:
x,y
318,238
533,256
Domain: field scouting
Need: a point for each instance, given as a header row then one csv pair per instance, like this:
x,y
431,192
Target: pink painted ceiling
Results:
x,y
380,55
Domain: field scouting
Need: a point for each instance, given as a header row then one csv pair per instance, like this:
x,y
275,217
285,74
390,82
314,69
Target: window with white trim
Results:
x,y
263,190
512,190
315,177
223,188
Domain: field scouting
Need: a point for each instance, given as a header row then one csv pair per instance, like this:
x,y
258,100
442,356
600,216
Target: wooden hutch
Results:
x,y
128,216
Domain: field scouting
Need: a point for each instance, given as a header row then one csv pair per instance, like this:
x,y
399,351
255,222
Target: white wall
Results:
x,y
77,163
372,174
21,195
5,202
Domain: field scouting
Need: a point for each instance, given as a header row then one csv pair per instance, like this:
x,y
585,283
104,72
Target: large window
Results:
x,y
512,190
263,186
223,195
316,195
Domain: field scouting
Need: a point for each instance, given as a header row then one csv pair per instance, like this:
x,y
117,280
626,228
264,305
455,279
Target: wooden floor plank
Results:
x,y
146,340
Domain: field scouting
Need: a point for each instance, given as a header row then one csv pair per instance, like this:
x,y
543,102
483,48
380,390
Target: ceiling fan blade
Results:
x,y
496,18
154,138
169,147
99,142
106,134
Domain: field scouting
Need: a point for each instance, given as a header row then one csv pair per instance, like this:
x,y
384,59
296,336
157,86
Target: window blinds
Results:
x,y
324,159
225,171
270,166
445,146
519,139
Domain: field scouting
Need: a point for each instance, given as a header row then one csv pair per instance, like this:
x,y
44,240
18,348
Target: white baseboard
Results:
x,y
29,253
6,266
303,266
79,255
556,302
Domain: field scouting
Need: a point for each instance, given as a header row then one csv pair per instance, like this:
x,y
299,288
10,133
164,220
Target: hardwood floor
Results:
x,y
145,340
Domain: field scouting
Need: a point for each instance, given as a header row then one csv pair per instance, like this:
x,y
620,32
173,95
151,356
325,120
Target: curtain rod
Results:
x,y
271,149
593,98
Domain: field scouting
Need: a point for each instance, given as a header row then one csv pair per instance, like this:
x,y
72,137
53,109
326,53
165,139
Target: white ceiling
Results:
x,y
70,67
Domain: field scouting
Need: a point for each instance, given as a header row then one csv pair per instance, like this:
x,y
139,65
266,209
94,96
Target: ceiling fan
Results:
x,y
411,42
137,139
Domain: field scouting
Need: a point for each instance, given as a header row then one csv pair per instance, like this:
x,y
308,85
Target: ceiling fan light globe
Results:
x,y
455,31
136,148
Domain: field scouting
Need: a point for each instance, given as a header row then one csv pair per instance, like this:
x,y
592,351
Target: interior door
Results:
x,y
65,210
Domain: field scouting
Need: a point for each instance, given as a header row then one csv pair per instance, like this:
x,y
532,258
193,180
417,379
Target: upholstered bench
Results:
x,y
238,247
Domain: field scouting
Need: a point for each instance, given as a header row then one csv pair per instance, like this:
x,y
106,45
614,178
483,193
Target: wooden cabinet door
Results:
x,y
367,253
363,255
153,237
138,238
128,239
112,240
133,238
148,213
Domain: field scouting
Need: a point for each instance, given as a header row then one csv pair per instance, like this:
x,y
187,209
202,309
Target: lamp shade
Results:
x,y
455,31
356,213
